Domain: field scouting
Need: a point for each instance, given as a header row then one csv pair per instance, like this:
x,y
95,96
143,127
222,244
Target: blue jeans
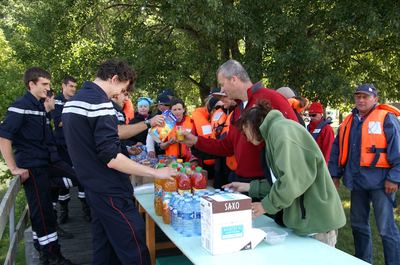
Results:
x,y
383,209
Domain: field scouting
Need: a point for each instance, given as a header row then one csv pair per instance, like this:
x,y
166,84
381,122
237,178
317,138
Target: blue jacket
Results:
x,y
91,134
56,117
367,178
26,126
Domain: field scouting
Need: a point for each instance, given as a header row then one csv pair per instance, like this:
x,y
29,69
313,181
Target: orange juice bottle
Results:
x,y
158,192
170,186
199,181
165,212
184,184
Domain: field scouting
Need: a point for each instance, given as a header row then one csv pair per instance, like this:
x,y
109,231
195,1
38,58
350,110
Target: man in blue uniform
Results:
x,y
23,144
68,90
91,134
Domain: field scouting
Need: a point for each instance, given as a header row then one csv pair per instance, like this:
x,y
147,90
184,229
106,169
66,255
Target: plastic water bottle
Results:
x,y
178,217
187,218
197,217
173,207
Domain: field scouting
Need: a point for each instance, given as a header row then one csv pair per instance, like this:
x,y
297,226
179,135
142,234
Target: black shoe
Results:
x,y
60,260
86,211
43,259
63,213
64,234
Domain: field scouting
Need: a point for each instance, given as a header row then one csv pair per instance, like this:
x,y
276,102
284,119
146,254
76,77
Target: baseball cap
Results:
x,y
216,91
367,89
164,100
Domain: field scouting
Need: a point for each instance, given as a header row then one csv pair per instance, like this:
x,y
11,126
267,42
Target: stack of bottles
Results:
x,y
178,200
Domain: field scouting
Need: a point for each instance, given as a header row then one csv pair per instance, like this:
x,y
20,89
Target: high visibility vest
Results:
x,y
203,127
129,111
218,122
177,149
230,160
373,138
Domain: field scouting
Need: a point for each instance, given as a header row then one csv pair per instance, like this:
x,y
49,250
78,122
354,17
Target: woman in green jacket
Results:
x,y
297,183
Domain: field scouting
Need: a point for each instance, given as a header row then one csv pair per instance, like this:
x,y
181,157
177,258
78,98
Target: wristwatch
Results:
x,y
147,122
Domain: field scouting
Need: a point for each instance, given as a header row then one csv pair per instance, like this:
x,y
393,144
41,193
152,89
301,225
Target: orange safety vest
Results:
x,y
201,122
295,103
373,139
129,111
177,149
203,127
230,160
218,120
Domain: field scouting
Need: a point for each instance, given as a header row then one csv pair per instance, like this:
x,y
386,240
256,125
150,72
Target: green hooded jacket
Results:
x,y
300,169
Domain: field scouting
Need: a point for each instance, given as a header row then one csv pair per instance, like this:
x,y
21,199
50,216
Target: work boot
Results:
x,y
64,234
59,260
43,259
63,213
86,211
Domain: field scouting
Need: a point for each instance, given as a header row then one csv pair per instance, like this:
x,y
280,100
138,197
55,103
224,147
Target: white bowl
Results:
x,y
274,235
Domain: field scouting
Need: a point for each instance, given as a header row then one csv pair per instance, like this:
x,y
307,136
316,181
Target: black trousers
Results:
x,y
118,231
44,224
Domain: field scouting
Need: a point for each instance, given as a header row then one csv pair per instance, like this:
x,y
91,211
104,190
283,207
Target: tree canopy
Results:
x,y
323,49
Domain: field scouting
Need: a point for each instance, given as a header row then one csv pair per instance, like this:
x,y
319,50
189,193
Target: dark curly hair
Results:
x,y
119,68
253,117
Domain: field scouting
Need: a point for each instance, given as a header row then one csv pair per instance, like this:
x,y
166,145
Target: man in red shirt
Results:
x,y
320,129
236,84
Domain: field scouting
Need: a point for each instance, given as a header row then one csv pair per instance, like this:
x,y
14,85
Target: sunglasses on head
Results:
x,y
313,115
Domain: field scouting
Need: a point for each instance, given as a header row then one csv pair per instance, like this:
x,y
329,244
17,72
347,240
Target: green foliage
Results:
x,y
323,49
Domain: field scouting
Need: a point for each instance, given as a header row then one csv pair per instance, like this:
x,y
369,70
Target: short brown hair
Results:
x,y
33,74
253,118
119,68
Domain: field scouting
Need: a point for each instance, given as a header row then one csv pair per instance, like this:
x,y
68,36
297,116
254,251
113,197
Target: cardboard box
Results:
x,y
226,223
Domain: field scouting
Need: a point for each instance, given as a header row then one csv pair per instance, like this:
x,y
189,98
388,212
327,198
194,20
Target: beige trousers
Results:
x,y
329,238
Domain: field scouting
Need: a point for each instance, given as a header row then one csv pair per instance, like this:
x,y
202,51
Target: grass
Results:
x,y
345,239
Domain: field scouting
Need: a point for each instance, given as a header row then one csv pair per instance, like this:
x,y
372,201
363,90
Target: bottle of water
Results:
x,y
197,216
178,216
187,218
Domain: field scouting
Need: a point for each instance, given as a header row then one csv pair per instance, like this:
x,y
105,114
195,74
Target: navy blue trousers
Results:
x,y
118,231
44,224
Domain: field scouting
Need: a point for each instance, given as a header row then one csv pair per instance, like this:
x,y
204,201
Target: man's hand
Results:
x,y
336,181
157,120
151,154
257,209
391,187
189,139
22,172
164,173
238,186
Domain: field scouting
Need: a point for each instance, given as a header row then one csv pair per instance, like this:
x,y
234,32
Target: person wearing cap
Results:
x,y
299,104
321,129
163,103
366,153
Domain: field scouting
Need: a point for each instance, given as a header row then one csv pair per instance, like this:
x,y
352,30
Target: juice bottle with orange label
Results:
x,y
158,192
165,212
199,181
170,186
184,184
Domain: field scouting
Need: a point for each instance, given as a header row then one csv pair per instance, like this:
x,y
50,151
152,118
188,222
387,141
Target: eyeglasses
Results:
x,y
313,115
